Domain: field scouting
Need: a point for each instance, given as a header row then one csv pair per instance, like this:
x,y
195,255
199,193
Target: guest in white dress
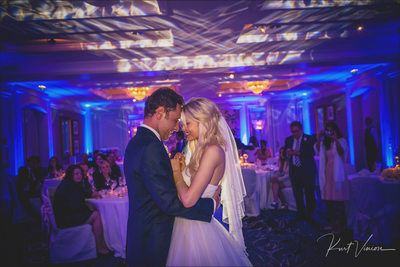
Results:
x,y
214,161
333,180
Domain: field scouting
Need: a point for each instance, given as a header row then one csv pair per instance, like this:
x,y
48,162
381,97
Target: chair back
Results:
x,y
13,191
250,180
48,200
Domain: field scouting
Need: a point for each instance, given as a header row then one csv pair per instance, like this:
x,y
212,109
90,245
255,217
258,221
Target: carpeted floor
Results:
x,y
272,239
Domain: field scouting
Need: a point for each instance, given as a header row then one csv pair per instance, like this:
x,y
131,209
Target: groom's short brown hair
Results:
x,y
162,97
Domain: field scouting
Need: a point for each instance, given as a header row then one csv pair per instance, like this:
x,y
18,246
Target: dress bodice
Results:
x,y
208,192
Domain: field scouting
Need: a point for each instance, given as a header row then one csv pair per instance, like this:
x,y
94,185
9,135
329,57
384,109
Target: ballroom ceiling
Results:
x,y
98,50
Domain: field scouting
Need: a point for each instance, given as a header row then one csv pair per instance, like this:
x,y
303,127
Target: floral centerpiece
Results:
x,y
392,174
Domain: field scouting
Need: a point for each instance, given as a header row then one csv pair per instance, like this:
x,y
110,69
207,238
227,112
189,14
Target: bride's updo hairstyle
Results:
x,y
207,114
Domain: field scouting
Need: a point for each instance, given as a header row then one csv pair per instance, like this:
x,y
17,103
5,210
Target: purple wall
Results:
x,y
339,101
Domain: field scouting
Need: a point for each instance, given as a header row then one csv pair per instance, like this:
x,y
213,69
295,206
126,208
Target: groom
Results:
x,y
153,199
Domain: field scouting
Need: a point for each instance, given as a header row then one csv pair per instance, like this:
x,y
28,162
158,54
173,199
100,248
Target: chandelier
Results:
x,y
139,93
258,86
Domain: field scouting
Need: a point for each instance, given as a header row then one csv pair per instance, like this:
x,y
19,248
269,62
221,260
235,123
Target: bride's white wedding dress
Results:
x,y
196,243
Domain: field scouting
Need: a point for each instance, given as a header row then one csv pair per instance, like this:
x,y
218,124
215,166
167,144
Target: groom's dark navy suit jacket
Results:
x,y
153,201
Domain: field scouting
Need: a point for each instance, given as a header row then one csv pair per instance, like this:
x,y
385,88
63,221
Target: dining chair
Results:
x,y
71,244
251,201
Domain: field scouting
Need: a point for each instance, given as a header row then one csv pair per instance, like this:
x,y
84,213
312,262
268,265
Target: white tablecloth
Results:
x,y
114,216
374,209
263,187
263,177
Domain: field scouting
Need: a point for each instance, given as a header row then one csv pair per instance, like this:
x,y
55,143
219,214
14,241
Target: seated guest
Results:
x,y
115,169
55,169
263,153
280,179
238,142
115,152
85,159
97,160
29,181
104,179
251,149
87,182
71,210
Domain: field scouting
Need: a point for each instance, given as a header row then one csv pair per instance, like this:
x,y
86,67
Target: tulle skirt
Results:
x,y
196,243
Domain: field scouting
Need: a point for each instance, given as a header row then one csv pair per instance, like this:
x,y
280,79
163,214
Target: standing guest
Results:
x,y
55,169
302,170
280,179
71,210
333,153
103,179
263,153
370,144
115,169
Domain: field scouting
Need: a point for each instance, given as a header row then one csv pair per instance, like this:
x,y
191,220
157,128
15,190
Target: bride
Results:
x,y
213,161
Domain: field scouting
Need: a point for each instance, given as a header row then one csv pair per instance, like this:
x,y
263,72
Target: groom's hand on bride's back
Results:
x,y
217,198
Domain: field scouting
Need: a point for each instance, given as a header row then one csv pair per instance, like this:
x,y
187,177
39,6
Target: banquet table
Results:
x,y
263,176
374,208
114,217
263,187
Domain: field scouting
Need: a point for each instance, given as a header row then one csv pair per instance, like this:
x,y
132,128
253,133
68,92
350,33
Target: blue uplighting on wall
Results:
x,y
244,125
388,121
350,127
306,117
88,137
50,130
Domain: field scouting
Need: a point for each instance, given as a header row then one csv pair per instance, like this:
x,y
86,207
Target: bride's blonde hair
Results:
x,y
207,114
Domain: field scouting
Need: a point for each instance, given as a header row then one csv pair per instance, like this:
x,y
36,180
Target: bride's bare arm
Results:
x,y
213,157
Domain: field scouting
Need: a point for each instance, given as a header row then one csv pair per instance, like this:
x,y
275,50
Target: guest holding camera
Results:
x,y
332,150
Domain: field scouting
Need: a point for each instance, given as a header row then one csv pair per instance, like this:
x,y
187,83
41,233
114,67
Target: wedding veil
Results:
x,y
233,189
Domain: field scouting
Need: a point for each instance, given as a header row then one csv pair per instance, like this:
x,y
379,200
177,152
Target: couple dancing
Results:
x,y
171,205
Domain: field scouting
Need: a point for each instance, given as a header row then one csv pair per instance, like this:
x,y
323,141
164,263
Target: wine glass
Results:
x,y
108,183
113,185
245,156
121,181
